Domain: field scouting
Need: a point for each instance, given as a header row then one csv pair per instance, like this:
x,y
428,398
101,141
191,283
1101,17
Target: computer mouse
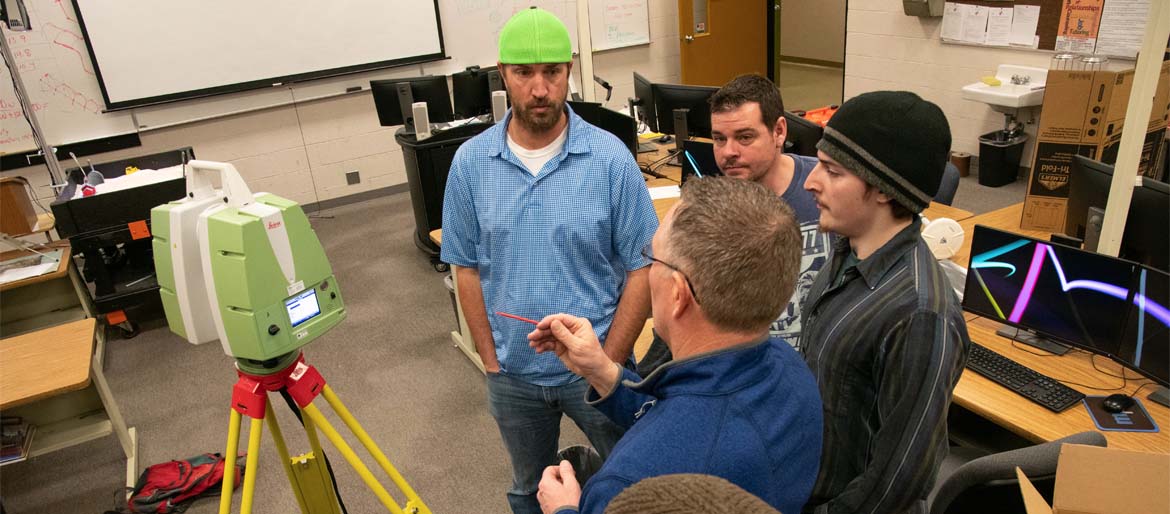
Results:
x,y
665,139
1117,402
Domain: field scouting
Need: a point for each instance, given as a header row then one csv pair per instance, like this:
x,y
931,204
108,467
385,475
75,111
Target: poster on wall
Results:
x,y
1077,30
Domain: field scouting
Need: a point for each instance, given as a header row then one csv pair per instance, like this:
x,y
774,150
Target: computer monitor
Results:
x,y
472,91
644,100
803,135
394,107
668,97
1065,294
1144,240
703,154
616,123
1146,345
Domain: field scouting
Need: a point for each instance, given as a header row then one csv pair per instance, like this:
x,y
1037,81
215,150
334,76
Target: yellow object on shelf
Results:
x,y
992,81
130,170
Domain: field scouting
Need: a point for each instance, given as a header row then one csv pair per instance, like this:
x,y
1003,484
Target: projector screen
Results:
x,y
147,52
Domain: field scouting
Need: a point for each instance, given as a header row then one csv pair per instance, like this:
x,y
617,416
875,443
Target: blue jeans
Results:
x,y
529,417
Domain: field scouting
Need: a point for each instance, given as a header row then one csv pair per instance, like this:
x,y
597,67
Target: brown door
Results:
x,y
719,39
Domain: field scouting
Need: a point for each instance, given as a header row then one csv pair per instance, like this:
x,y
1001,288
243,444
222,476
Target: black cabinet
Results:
x,y
427,164
110,233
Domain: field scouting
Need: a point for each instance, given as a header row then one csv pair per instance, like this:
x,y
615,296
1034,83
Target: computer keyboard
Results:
x,y
1022,380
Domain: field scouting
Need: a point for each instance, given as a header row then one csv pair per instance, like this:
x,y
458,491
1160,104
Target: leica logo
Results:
x,y
273,225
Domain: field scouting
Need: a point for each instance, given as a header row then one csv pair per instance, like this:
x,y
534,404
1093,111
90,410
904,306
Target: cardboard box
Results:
x,y
1084,114
1095,480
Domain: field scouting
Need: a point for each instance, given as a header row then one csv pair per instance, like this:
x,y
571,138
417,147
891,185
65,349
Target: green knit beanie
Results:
x,y
534,36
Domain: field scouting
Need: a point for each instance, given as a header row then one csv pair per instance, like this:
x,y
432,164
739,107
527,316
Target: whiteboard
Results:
x,y
470,32
472,27
148,52
54,63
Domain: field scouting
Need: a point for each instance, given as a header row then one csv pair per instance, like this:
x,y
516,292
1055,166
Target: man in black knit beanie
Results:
x,y
882,330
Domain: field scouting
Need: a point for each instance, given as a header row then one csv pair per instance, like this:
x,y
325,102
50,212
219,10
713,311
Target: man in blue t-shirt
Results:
x,y
748,129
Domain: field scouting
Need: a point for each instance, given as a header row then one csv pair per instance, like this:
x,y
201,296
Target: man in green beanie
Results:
x,y
545,213
882,329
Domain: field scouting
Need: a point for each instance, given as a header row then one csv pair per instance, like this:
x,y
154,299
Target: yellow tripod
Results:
x,y
314,492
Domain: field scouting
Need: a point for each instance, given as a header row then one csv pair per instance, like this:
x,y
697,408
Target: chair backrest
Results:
x,y
989,484
948,186
803,135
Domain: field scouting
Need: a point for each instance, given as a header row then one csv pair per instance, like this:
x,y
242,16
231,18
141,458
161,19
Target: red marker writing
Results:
x,y
513,316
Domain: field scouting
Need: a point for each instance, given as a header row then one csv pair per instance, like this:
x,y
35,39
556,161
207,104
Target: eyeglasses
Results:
x,y
646,254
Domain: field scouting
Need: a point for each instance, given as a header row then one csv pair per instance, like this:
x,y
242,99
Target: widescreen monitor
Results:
x,y
1145,239
431,89
1146,345
616,123
668,97
644,94
1068,295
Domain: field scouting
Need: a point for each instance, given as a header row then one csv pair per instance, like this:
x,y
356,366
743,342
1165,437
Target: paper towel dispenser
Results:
x,y
924,8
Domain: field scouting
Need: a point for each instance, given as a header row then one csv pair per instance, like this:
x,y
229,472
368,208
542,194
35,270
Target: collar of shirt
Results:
x,y
574,142
716,372
873,268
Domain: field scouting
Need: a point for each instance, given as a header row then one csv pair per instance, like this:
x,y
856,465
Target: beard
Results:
x,y
539,121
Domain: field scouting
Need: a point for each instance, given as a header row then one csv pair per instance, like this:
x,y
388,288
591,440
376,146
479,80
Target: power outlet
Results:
x,y
352,177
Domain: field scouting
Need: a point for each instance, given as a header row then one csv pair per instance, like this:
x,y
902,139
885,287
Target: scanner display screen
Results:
x,y
302,307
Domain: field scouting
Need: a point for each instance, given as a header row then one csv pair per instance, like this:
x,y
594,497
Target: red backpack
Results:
x,y
172,486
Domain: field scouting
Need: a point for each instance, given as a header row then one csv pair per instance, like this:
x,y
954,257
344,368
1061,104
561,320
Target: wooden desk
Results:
x,y
1038,424
59,296
1007,218
1018,414
53,378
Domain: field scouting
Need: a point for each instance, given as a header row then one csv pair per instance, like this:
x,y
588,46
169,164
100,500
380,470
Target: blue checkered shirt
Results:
x,y
560,241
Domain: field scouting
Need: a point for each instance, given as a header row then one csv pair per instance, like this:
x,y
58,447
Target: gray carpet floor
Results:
x,y
391,362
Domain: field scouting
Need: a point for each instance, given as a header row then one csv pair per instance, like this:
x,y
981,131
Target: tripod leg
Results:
x,y
334,401
318,419
282,451
255,430
229,472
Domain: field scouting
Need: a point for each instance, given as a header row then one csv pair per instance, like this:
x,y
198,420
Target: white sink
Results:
x,y
1009,96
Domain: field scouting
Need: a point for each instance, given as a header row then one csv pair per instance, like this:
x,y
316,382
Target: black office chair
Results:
x,y
803,135
948,186
989,484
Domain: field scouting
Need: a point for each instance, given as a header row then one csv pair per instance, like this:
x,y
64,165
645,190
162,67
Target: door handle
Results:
x,y
689,38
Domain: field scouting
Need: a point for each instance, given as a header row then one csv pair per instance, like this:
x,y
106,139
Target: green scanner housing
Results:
x,y
254,264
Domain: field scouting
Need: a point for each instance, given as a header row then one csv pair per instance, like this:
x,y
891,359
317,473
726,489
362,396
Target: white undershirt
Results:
x,y
534,160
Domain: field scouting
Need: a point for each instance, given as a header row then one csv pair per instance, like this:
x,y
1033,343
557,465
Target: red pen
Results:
x,y
513,316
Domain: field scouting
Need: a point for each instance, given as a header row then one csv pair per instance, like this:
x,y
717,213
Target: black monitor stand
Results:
x,y
1033,340
406,104
1160,395
681,134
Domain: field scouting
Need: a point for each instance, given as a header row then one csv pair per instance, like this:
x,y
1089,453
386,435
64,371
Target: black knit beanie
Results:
x,y
893,140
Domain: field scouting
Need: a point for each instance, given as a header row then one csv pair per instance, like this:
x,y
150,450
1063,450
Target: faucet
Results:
x,y
1021,80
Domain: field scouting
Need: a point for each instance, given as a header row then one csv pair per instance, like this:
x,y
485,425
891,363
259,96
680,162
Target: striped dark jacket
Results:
x,y
887,343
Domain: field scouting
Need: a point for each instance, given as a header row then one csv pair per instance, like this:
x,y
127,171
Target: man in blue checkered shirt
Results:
x,y
545,213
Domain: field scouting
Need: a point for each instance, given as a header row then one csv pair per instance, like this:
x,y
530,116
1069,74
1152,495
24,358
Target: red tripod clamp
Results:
x,y
303,382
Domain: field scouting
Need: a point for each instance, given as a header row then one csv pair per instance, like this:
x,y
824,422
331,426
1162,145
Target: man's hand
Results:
x,y
573,340
558,488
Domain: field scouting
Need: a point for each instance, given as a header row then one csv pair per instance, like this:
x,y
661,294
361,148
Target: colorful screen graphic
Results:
x,y
1147,341
1077,297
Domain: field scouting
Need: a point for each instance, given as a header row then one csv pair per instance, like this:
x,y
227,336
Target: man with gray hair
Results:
x,y
734,402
